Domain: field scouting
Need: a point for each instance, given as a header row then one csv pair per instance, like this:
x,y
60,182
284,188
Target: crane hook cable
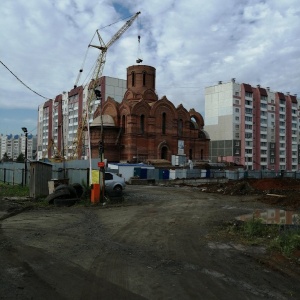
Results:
x,y
23,82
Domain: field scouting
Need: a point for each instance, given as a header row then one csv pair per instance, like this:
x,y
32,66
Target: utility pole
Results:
x,y
26,141
98,94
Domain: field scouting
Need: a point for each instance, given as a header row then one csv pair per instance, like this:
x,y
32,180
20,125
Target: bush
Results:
x,y
254,228
7,190
287,242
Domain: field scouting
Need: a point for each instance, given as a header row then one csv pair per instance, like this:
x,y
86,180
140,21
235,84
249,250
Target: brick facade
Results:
x,y
143,127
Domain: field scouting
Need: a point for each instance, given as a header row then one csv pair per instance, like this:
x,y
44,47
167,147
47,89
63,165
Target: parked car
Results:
x,y
113,182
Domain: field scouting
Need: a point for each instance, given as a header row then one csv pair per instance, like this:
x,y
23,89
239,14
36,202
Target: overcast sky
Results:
x,y
192,44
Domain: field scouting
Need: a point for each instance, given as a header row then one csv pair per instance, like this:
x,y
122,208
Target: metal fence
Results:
x,y
13,173
79,172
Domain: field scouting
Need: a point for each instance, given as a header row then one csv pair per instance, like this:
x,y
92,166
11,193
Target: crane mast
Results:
x,y
78,142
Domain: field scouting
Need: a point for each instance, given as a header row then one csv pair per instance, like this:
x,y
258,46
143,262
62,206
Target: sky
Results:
x,y
192,44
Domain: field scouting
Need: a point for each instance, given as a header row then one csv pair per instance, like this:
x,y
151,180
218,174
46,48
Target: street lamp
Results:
x,y
26,141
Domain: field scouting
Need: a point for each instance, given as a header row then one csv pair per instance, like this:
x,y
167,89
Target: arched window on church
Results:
x,y
180,127
164,153
142,124
191,154
132,78
144,78
123,123
163,123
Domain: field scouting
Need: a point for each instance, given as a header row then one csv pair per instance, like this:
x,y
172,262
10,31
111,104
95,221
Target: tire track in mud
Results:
x,y
180,256
35,273
125,259
108,275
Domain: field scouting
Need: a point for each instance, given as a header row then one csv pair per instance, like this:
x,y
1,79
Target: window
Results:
x,y
248,94
237,102
237,110
144,78
180,127
247,126
163,125
248,151
263,151
249,119
132,78
248,110
237,127
142,123
237,118
248,135
123,123
108,176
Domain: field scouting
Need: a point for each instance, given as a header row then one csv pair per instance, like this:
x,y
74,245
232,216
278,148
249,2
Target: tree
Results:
x,y
20,158
5,157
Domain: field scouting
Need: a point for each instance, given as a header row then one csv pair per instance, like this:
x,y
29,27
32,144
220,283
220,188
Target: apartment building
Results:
x,y
6,145
14,145
59,118
253,126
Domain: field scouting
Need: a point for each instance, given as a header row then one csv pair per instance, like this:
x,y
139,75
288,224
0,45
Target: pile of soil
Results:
x,y
282,192
275,184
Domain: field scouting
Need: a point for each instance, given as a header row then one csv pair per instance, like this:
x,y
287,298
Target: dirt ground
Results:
x,y
160,243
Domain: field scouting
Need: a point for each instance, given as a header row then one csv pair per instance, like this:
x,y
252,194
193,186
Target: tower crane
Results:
x,y
94,93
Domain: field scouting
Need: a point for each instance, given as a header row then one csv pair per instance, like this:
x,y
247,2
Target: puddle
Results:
x,y
273,216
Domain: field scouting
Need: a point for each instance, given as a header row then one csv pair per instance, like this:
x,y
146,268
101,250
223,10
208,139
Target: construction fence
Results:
x,y
79,172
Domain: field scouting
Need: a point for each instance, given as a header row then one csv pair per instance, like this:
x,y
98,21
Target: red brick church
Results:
x,y
143,128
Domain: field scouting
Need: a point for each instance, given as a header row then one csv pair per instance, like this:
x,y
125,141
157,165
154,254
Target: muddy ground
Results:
x,y
160,243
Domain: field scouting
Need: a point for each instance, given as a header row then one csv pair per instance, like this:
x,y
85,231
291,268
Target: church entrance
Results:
x,y
164,152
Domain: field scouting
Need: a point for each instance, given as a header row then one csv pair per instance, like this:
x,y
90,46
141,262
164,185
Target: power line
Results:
x,y
23,82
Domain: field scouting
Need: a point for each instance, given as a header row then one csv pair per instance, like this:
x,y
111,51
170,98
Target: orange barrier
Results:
x,y
95,193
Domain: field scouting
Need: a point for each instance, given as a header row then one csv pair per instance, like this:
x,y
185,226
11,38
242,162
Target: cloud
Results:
x,y
192,44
